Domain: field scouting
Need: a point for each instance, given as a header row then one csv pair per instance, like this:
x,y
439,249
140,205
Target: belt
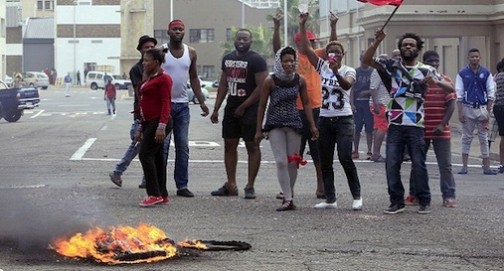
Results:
x,y
474,105
336,118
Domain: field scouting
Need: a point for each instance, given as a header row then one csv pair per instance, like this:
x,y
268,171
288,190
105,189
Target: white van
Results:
x,y
96,80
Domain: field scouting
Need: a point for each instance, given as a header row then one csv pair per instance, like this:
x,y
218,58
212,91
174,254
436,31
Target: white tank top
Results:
x,y
178,69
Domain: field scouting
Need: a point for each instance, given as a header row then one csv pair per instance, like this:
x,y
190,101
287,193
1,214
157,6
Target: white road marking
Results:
x,y
38,113
21,187
104,128
82,150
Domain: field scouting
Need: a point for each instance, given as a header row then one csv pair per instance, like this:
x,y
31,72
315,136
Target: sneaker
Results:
x,y
224,191
463,171
424,209
279,195
501,169
115,179
150,201
411,200
287,206
166,200
449,202
490,171
379,159
368,155
326,205
395,208
249,193
357,204
185,193
355,155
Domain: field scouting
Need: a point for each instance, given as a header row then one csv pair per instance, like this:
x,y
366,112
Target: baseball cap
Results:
x,y
309,34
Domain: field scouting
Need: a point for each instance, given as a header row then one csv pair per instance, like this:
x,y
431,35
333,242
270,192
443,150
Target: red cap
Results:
x,y
309,34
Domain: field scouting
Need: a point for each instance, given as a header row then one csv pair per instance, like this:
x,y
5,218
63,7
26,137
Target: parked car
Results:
x,y
205,84
13,101
8,80
120,82
192,97
36,79
215,84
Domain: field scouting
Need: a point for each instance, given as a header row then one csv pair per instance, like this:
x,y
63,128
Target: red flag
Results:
x,y
383,2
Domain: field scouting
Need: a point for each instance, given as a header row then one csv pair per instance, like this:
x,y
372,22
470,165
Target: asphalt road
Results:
x,y
54,180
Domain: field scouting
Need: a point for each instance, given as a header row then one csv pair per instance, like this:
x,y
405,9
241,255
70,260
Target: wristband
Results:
x,y
161,126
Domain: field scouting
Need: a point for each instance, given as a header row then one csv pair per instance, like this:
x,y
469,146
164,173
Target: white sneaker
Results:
x,y
325,205
357,204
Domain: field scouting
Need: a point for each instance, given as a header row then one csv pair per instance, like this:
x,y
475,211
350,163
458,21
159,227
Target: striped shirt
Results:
x,y
435,105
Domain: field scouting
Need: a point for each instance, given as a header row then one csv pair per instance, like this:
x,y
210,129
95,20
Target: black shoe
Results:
x,y
249,193
395,208
287,206
424,209
224,191
185,193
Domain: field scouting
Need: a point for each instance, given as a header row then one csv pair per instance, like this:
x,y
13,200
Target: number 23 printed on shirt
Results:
x,y
337,101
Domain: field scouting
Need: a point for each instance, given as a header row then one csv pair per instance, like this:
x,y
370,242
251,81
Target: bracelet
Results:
x,y
161,126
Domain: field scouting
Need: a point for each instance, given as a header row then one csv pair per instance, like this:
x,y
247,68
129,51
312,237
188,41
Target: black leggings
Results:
x,y
152,159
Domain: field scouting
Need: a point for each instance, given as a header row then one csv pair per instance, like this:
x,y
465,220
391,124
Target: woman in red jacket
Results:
x,y
155,109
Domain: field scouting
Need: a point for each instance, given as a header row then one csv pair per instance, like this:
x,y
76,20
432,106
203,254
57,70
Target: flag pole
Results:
x,y
390,17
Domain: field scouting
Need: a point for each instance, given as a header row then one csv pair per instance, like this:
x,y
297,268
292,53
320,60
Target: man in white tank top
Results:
x,y
180,64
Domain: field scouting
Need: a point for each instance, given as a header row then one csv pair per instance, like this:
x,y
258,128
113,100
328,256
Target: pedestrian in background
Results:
x,y
475,95
380,97
155,109
136,74
283,123
68,84
110,96
439,106
498,110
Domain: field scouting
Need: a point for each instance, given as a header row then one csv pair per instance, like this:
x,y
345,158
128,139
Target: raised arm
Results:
x,y
277,43
333,21
367,58
305,43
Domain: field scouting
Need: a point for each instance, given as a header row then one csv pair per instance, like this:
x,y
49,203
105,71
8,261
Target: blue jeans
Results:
x,y
130,153
399,137
442,149
180,114
337,132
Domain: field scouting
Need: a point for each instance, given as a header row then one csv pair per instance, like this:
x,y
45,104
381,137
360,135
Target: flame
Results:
x,y
122,244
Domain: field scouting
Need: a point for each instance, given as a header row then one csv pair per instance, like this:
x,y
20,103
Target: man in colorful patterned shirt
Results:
x,y
408,80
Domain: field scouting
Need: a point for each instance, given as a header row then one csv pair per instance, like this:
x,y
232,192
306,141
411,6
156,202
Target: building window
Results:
x,y
208,71
49,5
161,36
228,34
40,5
204,35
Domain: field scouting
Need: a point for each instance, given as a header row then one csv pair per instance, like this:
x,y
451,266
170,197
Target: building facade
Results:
x,y
88,36
450,27
3,35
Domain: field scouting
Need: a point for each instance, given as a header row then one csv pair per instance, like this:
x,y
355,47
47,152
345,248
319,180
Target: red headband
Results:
x,y
176,23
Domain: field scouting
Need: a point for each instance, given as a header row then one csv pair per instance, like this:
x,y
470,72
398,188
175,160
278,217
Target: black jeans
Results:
x,y
337,132
152,159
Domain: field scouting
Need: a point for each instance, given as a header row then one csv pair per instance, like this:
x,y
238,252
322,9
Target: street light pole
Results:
x,y
171,10
74,44
286,42
243,15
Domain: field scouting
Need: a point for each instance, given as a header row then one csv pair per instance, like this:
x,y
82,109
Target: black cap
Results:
x,y
144,39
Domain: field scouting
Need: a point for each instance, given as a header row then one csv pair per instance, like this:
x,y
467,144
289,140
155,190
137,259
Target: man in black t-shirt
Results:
x,y
243,72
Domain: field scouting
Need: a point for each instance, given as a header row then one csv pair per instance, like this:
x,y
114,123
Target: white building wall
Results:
x,y
102,51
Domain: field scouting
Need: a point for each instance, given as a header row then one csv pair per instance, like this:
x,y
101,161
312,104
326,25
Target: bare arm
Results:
x,y
276,32
263,100
367,58
222,91
195,81
333,21
306,47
